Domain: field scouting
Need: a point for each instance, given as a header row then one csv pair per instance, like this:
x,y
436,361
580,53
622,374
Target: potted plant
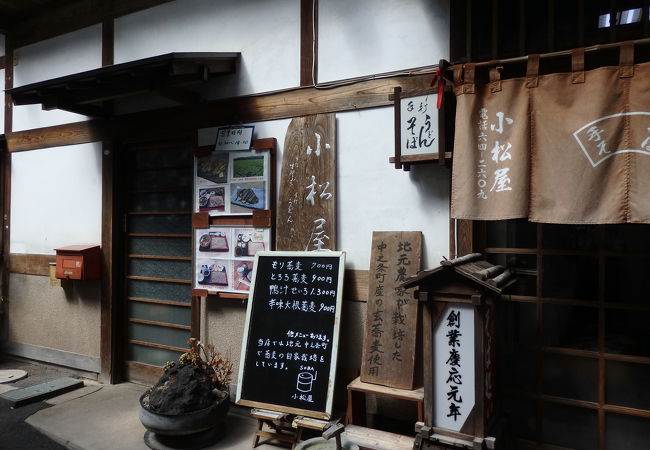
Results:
x,y
190,400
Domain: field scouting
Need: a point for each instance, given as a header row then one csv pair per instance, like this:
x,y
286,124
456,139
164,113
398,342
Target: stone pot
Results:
x,y
186,423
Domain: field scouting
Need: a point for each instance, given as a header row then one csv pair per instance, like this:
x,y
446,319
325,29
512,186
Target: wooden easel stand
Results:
x,y
288,428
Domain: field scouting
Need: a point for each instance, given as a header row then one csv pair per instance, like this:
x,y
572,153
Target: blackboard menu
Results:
x,y
290,342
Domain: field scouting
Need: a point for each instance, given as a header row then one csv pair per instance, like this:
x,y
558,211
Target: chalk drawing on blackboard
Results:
x,y
306,381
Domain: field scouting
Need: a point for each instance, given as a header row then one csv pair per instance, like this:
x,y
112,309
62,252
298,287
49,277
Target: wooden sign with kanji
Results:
x,y
389,347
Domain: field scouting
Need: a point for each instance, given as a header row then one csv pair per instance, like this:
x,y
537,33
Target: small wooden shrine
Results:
x,y
459,350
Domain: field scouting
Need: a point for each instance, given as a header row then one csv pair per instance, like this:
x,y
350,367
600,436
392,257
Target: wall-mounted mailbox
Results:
x,y
78,262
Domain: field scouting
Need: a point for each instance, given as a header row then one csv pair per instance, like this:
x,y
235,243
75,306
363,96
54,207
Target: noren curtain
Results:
x,y
560,148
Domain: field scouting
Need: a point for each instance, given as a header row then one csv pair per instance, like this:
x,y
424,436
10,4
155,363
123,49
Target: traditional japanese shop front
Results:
x,y
549,163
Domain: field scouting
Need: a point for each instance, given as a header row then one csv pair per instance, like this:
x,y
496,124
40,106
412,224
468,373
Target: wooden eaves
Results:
x,y
91,92
454,277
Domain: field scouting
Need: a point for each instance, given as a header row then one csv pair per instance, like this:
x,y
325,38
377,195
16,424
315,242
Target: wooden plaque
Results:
x,y
307,207
391,323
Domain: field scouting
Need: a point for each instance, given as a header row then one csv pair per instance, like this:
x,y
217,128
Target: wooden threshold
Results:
x,y
160,324
159,302
142,373
154,345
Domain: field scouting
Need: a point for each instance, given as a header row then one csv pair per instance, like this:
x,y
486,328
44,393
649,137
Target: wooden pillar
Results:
x,y
109,344
6,170
308,42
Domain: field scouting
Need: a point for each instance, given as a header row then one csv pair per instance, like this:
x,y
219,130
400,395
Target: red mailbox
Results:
x,y
78,262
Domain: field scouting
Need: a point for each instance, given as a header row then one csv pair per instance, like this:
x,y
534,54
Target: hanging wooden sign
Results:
x,y
391,322
306,217
420,123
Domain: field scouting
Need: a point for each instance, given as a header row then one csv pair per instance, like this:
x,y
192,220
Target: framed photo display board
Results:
x,y
232,182
233,211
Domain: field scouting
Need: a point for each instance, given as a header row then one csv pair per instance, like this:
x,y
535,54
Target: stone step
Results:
x,y
24,396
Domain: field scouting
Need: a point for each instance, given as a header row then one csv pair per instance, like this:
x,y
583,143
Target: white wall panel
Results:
x,y
374,196
363,37
266,33
56,198
60,56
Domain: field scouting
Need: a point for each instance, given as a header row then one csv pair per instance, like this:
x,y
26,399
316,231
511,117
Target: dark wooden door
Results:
x,y
158,193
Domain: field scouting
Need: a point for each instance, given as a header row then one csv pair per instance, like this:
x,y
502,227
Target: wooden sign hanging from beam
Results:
x,y
307,206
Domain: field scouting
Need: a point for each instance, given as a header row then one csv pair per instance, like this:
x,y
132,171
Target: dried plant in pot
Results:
x,y
191,398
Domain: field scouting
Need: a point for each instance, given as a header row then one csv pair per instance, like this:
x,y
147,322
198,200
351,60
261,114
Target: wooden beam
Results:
x,y
68,134
69,16
30,264
86,110
276,105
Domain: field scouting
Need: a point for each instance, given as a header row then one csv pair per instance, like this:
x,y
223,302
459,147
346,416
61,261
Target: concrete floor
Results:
x,y
105,417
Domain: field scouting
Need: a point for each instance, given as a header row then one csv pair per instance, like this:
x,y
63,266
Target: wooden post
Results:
x,y
398,126
108,307
442,117
195,323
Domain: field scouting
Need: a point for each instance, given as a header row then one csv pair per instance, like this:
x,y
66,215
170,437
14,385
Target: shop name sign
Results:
x,y
234,138
454,376
614,134
419,124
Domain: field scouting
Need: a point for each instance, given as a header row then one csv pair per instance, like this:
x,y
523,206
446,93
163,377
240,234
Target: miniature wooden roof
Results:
x,y
90,92
470,267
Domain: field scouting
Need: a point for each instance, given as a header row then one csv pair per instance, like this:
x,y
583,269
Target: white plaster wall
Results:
x,y
374,196
56,198
363,37
266,33
63,55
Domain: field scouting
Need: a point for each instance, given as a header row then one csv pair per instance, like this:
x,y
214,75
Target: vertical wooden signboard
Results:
x,y
391,321
307,206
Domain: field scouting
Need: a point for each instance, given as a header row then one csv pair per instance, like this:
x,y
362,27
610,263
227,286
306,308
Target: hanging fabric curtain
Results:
x,y
560,148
